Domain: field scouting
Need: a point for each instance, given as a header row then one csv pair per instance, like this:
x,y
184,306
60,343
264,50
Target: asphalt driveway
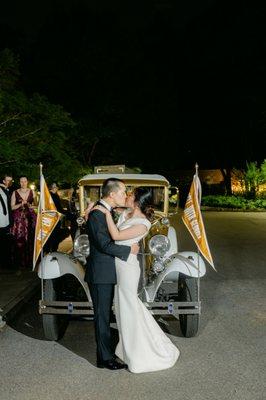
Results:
x,y
226,360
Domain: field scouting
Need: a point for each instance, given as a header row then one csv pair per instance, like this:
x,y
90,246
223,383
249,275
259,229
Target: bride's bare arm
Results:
x,y
124,234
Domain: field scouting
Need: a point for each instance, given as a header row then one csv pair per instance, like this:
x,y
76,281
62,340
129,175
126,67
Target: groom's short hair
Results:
x,y
110,185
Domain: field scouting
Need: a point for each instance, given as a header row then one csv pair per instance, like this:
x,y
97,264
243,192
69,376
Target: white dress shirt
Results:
x,y
104,203
4,219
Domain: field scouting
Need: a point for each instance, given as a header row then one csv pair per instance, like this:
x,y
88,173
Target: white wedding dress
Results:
x,y
143,346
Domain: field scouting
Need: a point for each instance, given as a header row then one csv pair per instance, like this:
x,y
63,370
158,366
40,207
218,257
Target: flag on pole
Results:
x,y
192,218
47,218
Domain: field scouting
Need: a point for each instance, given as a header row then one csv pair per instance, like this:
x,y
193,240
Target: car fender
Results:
x,y
185,262
56,264
173,242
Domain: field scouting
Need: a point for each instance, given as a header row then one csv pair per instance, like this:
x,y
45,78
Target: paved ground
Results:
x,y
18,285
14,287
226,360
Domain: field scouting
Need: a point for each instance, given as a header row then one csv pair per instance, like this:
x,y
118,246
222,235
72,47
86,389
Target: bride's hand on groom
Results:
x,y
102,209
88,210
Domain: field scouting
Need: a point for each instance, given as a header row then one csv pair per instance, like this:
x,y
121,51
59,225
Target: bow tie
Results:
x,y
114,214
112,211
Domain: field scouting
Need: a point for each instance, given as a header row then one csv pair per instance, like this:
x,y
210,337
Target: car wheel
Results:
x,y
188,291
54,325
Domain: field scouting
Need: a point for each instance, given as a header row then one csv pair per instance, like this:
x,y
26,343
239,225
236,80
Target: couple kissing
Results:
x,y
113,273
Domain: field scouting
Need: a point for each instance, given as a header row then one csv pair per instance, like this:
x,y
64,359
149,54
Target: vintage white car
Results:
x,y
169,283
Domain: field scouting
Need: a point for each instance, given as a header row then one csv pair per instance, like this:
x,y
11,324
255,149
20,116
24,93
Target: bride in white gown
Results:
x,y
143,346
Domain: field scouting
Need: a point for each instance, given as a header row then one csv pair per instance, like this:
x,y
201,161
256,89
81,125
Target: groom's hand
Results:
x,y
134,248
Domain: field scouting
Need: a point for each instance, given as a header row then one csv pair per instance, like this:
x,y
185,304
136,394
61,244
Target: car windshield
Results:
x,y
93,193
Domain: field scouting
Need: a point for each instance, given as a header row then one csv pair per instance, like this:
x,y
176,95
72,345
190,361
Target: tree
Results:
x,y
254,177
33,130
226,172
91,135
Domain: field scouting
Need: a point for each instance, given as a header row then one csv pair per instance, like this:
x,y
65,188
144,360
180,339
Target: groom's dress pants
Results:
x,y
102,298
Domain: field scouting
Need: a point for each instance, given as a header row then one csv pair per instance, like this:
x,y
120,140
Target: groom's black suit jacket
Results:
x,y
9,210
101,261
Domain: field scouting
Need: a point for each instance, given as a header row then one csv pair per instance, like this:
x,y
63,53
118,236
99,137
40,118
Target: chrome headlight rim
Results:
x,y
159,245
80,220
158,265
82,245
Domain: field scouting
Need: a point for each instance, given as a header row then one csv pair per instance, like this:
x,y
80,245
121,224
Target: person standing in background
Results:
x,y
56,198
7,183
23,228
7,187
59,233
5,222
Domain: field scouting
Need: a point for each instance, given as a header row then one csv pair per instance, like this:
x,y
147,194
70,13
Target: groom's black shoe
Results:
x,y
111,364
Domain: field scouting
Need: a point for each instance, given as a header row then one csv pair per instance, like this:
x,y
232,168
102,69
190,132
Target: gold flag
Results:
x,y
47,218
192,218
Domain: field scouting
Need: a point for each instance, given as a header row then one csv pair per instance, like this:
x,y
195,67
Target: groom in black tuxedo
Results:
x,y
100,271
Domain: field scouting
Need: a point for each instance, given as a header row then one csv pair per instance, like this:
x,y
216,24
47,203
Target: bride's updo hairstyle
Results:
x,y
143,199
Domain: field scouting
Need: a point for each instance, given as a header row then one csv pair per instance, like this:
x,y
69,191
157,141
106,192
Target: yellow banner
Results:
x,y
47,218
192,218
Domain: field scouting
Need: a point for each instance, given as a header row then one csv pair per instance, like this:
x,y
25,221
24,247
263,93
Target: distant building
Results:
x,y
212,181
207,176
211,176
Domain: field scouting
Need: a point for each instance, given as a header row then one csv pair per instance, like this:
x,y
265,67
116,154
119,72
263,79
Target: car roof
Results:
x,y
147,179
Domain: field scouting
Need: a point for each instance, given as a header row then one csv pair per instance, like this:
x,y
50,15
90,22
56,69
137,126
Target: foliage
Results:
x,y
89,136
173,199
253,177
263,171
237,178
233,202
9,69
32,130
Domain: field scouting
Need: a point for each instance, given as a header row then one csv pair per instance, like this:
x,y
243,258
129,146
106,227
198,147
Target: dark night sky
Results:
x,y
191,72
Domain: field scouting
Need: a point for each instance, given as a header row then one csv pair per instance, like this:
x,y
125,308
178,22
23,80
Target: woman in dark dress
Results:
x,y
24,224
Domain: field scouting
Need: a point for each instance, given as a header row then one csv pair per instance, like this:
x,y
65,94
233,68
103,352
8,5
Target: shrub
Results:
x,y
233,202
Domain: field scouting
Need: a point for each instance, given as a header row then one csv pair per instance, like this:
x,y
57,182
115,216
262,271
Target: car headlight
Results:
x,y
82,245
157,266
159,245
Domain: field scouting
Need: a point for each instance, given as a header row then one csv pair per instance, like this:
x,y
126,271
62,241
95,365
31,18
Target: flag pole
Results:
x,y
197,169
197,176
41,209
